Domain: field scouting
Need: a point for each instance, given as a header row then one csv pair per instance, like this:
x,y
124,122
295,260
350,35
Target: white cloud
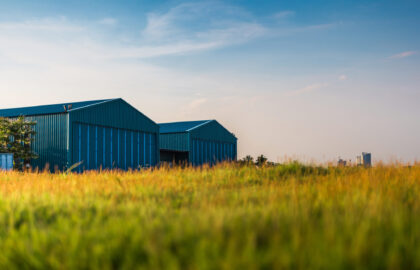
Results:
x,y
60,24
403,54
210,25
342,77
159,50
283,14
186,28
157,26
307,89
108,21
196,103
199,24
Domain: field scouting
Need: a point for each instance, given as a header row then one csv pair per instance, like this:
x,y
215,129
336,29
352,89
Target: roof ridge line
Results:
x,y
53,104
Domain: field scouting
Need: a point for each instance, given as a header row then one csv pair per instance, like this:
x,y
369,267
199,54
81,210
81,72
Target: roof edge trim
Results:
x,y
173,132
94,104
202,124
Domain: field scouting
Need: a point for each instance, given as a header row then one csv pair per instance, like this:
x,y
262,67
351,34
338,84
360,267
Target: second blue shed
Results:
x,y
196,142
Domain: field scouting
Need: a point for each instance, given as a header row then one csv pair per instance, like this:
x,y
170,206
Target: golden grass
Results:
x,y
289,216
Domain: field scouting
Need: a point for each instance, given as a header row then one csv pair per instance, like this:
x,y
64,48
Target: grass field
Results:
x,y
226,217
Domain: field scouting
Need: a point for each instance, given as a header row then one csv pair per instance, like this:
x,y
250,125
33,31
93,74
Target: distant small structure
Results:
x,y
341,162
6,161
359,161
364,160
367,159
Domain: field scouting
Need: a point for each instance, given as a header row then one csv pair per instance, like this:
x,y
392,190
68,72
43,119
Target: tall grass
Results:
x,y
226,217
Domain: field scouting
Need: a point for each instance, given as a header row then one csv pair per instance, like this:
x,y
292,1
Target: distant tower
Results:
x,y
367,159
359,161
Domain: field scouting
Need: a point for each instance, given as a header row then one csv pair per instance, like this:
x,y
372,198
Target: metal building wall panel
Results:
x,y
146,149
153,146
174,141
209,152
99,159
142,149
136,147
213,131
115,113
215,144
121,123
109,148
83,146
120,150
130,150
50,142
115,148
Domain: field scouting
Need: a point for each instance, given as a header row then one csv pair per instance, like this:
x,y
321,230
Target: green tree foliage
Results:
x,y
261,160
16,137
4,134
248,160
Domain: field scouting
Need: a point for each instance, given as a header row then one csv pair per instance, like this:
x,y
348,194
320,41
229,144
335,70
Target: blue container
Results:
x,y
6,161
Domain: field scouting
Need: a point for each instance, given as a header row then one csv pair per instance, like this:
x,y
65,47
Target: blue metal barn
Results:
x,y
104,134
196,142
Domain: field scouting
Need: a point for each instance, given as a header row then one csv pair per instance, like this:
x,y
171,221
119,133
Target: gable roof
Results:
x,y
177,127
48,109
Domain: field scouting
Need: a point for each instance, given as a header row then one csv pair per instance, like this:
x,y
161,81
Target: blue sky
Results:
x,y
312,80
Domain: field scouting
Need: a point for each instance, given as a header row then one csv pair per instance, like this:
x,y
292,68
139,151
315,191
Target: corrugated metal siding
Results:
x,y
50,142
115,113
212,143
213,131
119,137
174,141
208,143
178,127
211,152
109,148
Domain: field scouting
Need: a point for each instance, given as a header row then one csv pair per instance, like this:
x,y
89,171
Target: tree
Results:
x,y
248,160
16,137
4,134
261,160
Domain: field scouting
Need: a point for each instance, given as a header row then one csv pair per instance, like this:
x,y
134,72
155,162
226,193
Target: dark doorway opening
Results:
x,y
174,157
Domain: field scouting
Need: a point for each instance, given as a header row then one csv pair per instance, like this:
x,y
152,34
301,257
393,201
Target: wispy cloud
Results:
x,y
342,77
201,24
159,50
196,103
307,89
403,54
108,21
182,29
60,24
283,14
209,25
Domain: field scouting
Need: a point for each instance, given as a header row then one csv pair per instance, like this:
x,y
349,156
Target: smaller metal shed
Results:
x,y
6,161
196,142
